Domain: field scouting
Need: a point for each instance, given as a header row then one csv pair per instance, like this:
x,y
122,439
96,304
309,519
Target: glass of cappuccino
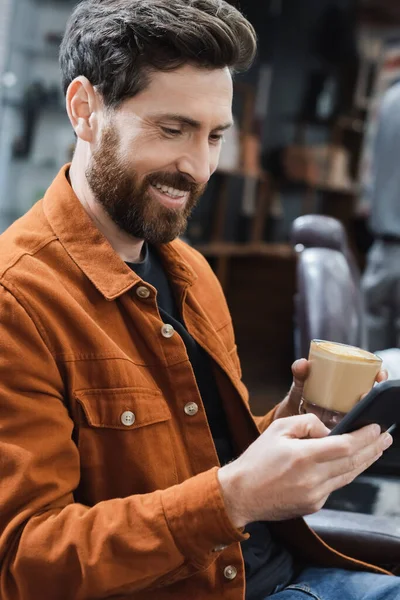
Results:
x,y
339,377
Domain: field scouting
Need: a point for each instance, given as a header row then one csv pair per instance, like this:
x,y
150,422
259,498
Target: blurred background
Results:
x,y
305,124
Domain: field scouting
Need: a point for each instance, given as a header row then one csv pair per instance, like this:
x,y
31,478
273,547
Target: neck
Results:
x,y
130,249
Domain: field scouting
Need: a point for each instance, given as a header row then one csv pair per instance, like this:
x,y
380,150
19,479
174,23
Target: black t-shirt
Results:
x,y
267,563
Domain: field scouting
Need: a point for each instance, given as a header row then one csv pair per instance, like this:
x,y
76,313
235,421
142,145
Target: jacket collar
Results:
x,y
90,249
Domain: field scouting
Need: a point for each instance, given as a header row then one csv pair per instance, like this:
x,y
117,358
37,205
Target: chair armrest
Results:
x,y
368,538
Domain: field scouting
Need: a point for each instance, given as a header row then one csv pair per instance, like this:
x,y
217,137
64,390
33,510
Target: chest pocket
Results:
x,y
124,436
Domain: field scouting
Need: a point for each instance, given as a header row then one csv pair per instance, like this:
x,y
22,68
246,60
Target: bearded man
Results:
x,y
131,466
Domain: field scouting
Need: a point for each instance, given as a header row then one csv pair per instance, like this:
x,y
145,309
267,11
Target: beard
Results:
x,y
127,200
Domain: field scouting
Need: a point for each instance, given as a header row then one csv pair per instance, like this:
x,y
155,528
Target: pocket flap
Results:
x,y
123,408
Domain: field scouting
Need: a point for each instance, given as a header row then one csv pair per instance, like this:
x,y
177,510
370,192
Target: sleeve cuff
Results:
x,y
197,518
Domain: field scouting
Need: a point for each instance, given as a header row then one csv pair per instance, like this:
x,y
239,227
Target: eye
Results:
x,y
216,138
171,132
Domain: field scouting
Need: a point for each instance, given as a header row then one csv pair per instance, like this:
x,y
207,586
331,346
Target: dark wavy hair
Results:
x,y
116,44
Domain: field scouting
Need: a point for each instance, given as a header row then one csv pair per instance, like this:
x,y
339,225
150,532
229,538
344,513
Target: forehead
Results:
x,y
201,94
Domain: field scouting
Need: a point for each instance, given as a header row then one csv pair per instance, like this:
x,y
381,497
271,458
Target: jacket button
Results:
x,y
230,572
128,418
191,409
220,548
167,331
143,292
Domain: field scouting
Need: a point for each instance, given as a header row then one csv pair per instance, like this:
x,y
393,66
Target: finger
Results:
x,y
300,371
302,426
382,376
341,446
356,461
338,482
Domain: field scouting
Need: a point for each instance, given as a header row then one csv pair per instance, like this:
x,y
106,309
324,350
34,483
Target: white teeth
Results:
x,y
170,191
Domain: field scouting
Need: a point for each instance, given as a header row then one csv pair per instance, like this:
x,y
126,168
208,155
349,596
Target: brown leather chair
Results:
x,y
327,272
320,231
327,304
372,539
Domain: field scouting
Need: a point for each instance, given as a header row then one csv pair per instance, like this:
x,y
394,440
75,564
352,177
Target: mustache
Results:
x,y
174,180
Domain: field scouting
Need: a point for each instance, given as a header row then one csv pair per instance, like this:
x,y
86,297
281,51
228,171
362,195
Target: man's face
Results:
x,y
158,150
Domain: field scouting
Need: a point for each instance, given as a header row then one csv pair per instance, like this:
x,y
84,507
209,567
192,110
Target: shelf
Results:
x,y
333,190
226,249
342,121
319,187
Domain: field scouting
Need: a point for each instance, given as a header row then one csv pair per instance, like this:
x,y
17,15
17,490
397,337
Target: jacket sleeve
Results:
x,y
50,543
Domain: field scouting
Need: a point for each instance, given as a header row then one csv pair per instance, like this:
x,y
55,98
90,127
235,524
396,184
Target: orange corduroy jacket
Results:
x,y
108,471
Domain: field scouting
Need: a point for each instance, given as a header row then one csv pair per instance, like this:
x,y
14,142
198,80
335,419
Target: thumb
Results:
x,y
300,371
303,426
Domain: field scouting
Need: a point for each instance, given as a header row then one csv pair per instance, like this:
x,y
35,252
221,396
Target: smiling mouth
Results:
x,y
170,197
170,191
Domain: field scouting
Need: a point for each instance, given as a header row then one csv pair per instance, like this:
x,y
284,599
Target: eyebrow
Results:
x,y
188,121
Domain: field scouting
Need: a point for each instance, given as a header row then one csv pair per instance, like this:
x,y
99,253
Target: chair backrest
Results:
x,y
320,231
326,304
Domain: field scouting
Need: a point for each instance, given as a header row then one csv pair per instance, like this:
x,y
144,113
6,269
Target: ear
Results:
x,y
83,107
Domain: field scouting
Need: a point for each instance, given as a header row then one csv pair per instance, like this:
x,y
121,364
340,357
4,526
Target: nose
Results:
x,y
196,163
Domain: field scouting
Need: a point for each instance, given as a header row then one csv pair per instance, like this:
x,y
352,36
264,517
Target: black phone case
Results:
x,y
381,405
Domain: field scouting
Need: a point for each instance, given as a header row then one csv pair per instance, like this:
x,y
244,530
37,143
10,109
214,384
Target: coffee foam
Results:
x,y
336,351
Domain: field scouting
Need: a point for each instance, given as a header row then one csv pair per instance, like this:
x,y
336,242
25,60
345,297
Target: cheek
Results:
x,y
214,158
156,156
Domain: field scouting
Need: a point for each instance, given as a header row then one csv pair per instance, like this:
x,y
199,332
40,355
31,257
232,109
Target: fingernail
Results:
x,y
376,429
387,441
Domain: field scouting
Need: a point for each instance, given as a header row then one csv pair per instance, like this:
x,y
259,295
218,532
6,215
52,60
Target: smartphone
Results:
x,y
381,405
